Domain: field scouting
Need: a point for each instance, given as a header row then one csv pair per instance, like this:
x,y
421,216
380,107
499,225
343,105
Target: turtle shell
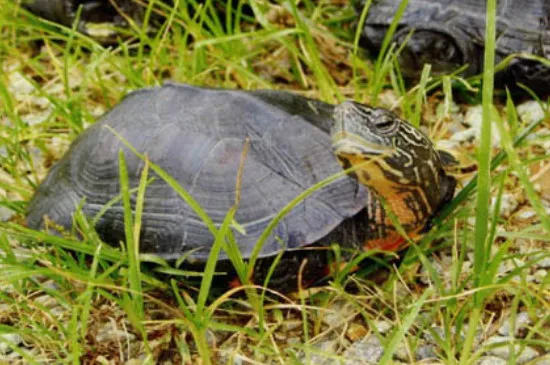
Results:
x,y
197,135
93,12
522,27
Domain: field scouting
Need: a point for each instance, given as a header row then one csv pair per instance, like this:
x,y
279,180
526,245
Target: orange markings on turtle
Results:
x,y
392,242
235,283
337,266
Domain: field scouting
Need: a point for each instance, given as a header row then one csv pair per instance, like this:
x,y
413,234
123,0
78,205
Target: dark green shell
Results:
x,y
522,27
197,135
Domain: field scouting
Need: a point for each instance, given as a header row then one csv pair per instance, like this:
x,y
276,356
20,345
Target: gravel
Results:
x,y
530,111
491,360
425,352
6,214
543,360
540,275
508,204
369,350
339,313
503,351
473,120
522,321
8,339
382,326
110,333
325,347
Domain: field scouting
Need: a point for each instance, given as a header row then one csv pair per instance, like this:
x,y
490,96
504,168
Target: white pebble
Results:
x,y
12,338
369,349
508,203
540,275
530,111
503,350
522,321
382,326
340,312
543,360
491,360
474,119
110,333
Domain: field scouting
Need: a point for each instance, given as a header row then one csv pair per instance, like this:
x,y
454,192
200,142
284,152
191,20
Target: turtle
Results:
x,y
108,20
197,135
98,18
449,34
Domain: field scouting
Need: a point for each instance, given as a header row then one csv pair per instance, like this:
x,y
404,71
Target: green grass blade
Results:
x,y
520,169
135,284
484,177
399,333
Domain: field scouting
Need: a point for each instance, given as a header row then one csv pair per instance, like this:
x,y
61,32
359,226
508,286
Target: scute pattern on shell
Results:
x,y
522,27
197,135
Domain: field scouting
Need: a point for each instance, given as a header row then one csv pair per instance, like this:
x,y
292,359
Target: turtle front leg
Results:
x,y
382,233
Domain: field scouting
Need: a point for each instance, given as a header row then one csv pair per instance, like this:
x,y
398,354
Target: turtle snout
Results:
x,y
350,118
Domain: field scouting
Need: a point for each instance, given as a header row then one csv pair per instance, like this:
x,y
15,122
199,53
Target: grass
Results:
x,y
80,301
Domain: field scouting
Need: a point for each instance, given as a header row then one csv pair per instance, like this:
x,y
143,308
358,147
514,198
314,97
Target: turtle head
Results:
x,y
392,158
445,49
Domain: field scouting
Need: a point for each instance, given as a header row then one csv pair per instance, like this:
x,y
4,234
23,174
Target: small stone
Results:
x,y
238,360
508,203
530,111
14,356
368,350
526,215
447,145
355,332
290,325
543,360
544,263
442,111
474,119
110,333
438,330
134,362
526,355
340,312
12,339
424,352
540,275
102,360
19,85
401,353
6,214
522,321
293,340
51,285
325,347
491,360
467,135
211,339
47,301
509,265
425,276
541,138
382,326
503,351
36,118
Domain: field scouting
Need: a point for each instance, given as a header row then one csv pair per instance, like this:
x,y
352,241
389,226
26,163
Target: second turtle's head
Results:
x,y
392,157
444,47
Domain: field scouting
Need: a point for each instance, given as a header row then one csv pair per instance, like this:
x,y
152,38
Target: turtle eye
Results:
x,y
445,50
385,123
